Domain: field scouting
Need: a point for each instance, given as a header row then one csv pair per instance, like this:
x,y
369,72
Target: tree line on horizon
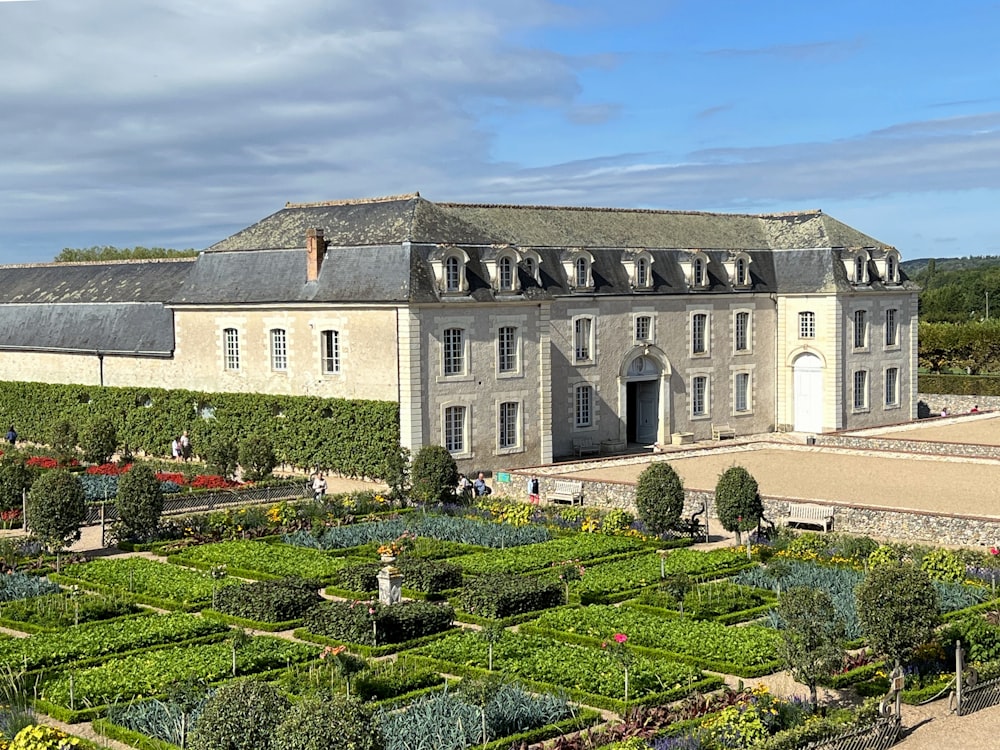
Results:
x,y
110,252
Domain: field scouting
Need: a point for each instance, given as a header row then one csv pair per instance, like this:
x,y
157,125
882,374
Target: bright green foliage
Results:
x,y
396,472
334,723
434,475
41,737
222,456
15,477
56,509
99,440
897,609
677,586
659,498
240,716
811,637
63,438
616,522
737,500
257,459
943,565
139,502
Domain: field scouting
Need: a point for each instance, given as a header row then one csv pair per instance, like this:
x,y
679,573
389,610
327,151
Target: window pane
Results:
x,y
582,328
892,386
583,405
742,391
454,351
860,389
506,273
698,323
452,275
231,338
507,349
860,329
641,273
508,427
890,327
581,272
279,350
331,351
698,386
642,325
742,324
807,325
454,429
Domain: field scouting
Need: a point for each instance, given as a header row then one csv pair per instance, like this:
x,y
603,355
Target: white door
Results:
x,y
808,375
647,419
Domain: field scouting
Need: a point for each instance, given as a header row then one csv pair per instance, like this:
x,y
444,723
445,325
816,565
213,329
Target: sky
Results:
x,y
175,123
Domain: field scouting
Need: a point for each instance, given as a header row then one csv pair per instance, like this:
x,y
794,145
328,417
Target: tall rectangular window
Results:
x,y
807,325
331,351
583,407
699,321
507,429
454,429
279,349
741,325
861,389
699,392
860,329
892,386
642,327
891,338
231,346
583,329
454,351
741,395
507,349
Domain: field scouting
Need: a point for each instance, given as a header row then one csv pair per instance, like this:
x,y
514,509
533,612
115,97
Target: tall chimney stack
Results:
x,y
315,252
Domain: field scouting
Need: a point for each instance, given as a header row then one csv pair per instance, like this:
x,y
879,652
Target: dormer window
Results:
x,y
742,272
578,265
859,270
888,266
530,268
581,271
530,264
452,275
638,264
642,272
505,273
890,269
448,265
698,272
695,269
737,267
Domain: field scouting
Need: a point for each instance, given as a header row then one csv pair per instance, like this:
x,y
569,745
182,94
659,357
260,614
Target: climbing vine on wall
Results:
x,y
350,437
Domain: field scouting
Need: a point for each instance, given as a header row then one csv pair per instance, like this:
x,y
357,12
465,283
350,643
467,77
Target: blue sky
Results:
x,y
177,122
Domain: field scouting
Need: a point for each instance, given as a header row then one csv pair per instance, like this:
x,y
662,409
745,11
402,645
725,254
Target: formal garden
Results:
x,y
420,619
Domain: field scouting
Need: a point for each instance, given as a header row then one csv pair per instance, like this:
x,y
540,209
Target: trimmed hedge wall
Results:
x,y
350,437
959,385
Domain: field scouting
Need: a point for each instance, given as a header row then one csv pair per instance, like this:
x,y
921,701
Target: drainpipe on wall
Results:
x,y
100,367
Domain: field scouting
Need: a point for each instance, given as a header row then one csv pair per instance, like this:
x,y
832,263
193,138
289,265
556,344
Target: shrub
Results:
x,y
139,502
425,576
15,478
434,475
353,621
56,509
500,595
943,565
239,716
99,440
659,498
256,457
269,601
737,500
811,636
63,439
222,456
898,610
336,723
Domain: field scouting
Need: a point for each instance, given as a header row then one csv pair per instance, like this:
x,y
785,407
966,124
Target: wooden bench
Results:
x,y
810,514
567,492
585,446
723,431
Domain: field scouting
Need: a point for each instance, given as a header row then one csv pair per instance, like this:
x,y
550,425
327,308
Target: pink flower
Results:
x,y
604,644
994,551
620,638
371,610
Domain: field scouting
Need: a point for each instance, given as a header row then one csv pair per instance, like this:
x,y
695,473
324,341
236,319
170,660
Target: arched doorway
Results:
x,y
642,400
808,393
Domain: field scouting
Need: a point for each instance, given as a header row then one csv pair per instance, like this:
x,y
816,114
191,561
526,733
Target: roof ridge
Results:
x,y
122,261
610,209
355,201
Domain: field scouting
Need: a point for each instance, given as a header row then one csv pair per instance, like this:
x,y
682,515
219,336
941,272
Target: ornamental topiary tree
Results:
x,y
395,472
56,510
139,502
222,456
257,459
240,716
659,498
434,475
15,478
812,637
63,438
336,722
897,610
737,501
99,440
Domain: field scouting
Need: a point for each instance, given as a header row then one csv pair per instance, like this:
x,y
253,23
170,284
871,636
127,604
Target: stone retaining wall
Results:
x,y
862,442
931,404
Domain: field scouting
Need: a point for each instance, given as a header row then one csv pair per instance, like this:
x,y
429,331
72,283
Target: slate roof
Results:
x,y
126,281
136,329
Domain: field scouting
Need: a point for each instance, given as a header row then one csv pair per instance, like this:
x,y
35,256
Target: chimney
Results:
x,y
315,252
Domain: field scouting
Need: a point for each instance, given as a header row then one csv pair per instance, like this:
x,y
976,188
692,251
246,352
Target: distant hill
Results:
x,y
919,265
956,290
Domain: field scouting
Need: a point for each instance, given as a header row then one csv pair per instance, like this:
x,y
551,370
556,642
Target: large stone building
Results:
x,y
507,334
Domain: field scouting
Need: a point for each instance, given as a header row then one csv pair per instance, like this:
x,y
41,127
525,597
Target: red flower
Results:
x,y
109,470
170,476
620,638
42,462
994,551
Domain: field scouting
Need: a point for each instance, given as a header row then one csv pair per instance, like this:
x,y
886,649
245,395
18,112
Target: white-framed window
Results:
x,y
699,333
505,273
859,269
741,392
231,348
509,425
807,325
643,328
742,272
279,349
583,339
452,274
330,354
741,331
890,269
892,386
860,390
453,349
582,272
891,327
642,273
454,429
507,346
583,406
860,329
699,396
698,272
